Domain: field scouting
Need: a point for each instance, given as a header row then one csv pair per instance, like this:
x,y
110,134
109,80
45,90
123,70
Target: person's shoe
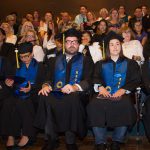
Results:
x,y
29,143
100,147
115,145
71,147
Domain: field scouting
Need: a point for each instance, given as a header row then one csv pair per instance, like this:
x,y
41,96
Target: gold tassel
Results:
x,y
16,51
103,51
63,44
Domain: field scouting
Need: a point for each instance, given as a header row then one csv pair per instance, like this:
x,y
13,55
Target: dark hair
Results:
x,y
50,13
124,9
14,13
49,32
83,6
73,33
89,33
139,7
108,57
113,9
134,26
59,37
103,20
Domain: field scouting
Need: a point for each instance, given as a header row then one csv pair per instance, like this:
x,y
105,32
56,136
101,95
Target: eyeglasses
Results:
x,y
72,42
24,57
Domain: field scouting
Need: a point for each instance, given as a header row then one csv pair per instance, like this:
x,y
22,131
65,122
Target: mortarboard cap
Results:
x,y
25,48
112,36
72,33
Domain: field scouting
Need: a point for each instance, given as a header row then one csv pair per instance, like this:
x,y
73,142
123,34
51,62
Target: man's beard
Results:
x,y
71,51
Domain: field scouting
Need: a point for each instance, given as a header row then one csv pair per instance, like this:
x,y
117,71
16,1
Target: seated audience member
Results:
x,y
48,42
146,19
58,40
6,49
139,33
65,21
36,20
112,107
18,110
132,49
103,14
11,20
29,17
88,48
10,37
37,51
114,23
138,16
123,15
48,21
68,78
81,18
90,24
27,25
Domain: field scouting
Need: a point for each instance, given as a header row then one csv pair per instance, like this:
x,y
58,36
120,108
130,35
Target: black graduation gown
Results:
x,y
146,84
17,115
107,113
66,114
3,72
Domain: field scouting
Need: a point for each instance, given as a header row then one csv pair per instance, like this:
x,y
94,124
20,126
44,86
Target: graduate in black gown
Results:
x,y
146,84
112,106
54,51
4,67
18,110
6,49
60,107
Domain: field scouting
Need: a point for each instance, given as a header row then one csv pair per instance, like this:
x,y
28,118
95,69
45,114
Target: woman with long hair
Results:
x,y
111,107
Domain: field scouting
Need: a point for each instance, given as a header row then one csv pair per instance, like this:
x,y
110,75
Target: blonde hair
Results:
x,y
103,10
10,17
24,30
35,35
7,24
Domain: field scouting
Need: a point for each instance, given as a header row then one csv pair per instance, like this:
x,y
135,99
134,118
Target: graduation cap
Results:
x,y
72,33
25,48
112,36
22,49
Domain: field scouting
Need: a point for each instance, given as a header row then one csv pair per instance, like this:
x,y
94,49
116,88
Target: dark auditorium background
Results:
x,y
56,6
